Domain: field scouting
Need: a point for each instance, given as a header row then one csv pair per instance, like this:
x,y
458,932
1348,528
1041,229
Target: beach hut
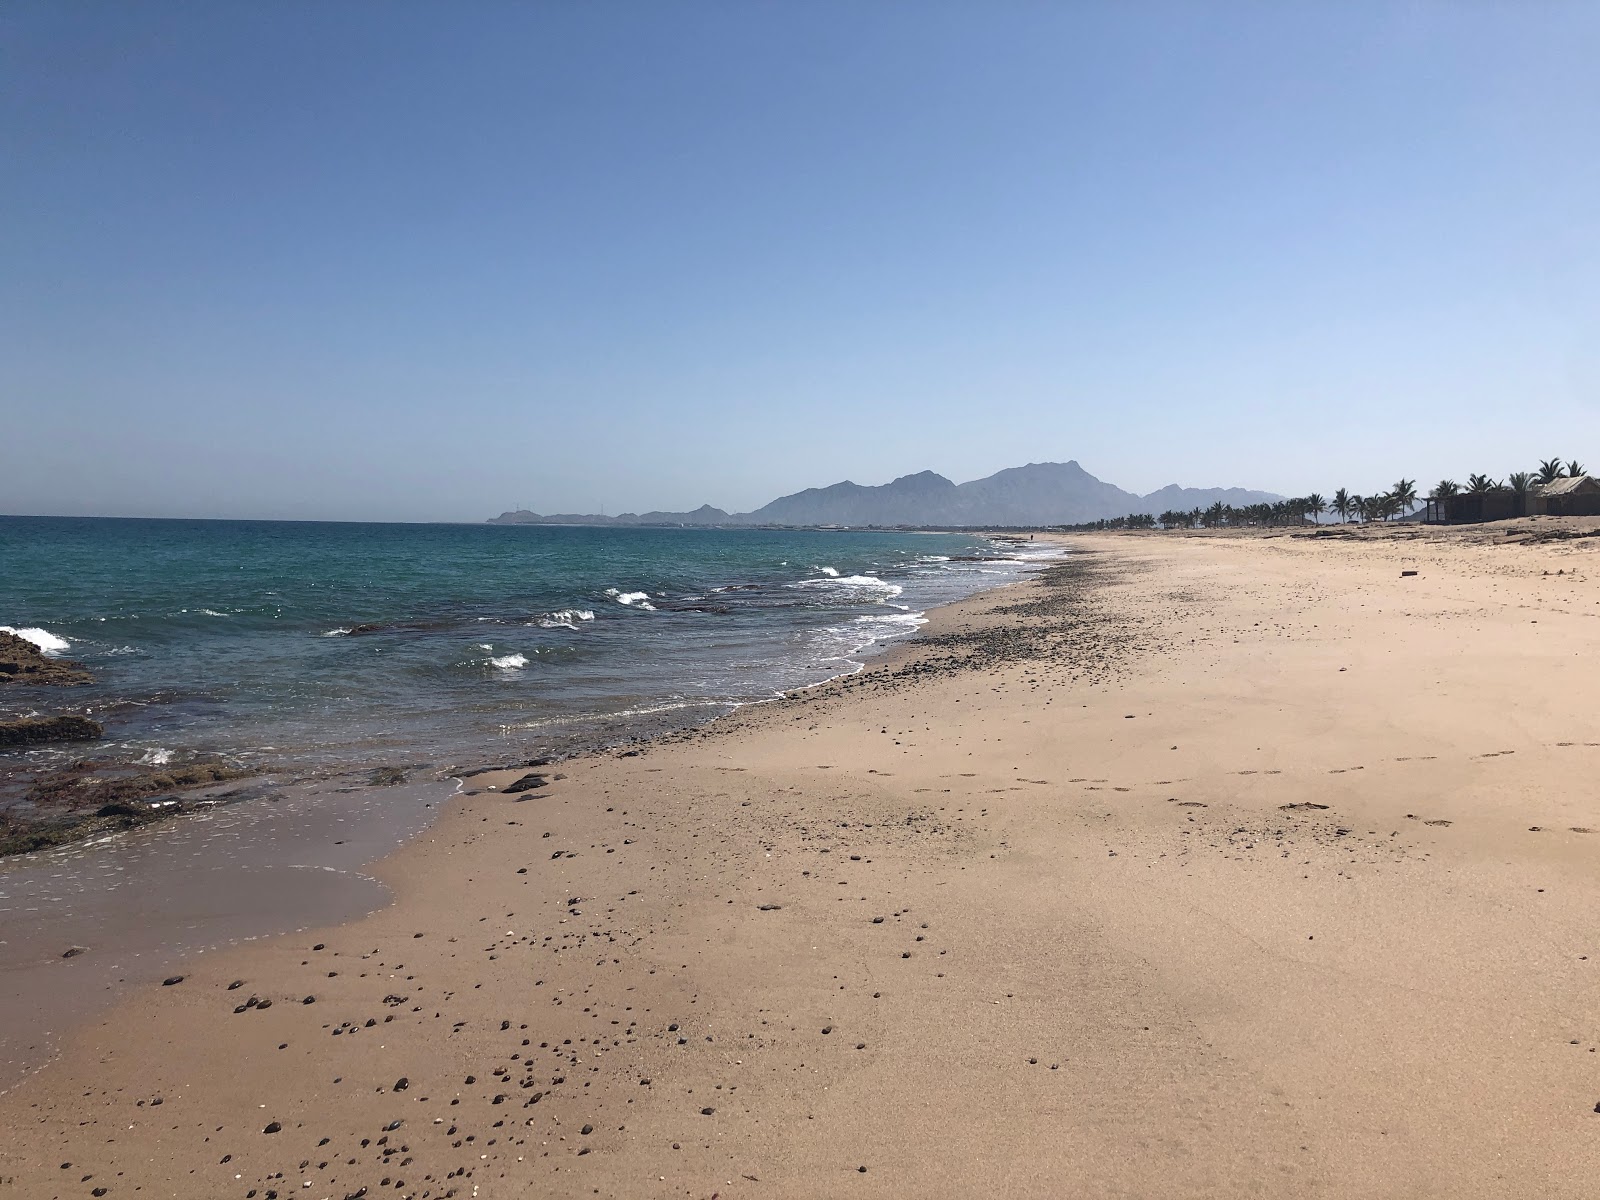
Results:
x,y
1574,496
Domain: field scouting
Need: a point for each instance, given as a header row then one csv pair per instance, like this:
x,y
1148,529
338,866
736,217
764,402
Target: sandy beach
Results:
x,y
1235,865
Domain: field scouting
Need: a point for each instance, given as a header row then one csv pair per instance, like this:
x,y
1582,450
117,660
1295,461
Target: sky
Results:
x,y
406,261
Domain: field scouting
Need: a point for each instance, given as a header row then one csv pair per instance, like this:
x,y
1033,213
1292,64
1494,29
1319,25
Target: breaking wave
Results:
x,y
42,638
566,618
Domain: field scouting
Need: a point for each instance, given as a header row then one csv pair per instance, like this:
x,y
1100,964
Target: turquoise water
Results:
x,y
328,644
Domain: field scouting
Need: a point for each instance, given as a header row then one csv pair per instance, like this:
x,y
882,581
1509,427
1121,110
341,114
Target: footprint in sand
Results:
x,y
1192,804
1580,829
1302,806
1439,821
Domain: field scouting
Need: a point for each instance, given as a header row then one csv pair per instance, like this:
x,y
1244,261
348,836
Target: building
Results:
x,y
1576,496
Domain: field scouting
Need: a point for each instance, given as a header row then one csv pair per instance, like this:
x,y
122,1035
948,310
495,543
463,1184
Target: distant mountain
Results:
x,y
1173,498
1037,494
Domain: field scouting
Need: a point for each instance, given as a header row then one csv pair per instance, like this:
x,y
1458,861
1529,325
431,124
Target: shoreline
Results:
x,y
32,1013
1189,867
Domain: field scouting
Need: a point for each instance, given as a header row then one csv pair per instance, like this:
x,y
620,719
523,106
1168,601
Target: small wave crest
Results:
x,y
509,662
566,618
854,585
831,572
155,758
42,638
632,599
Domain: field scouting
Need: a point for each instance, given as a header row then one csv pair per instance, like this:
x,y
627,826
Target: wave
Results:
x,y
509,662
156,758
211,612
343,632
566,618
831,572
854,585
42,638
632,599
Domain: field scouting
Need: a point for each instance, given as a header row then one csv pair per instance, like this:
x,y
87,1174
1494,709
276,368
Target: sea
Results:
x,y
323,645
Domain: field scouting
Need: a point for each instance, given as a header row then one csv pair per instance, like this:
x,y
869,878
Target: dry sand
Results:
x,y
1205,866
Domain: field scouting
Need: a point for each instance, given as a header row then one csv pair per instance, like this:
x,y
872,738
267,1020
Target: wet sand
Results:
x,y
1201,866
82,924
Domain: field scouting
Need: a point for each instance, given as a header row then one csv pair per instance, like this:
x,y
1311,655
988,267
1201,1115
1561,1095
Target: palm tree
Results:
x,y
1576,469
1445,489
1341,504
1316,506
1405,495
1358,507
1550,470
1477,485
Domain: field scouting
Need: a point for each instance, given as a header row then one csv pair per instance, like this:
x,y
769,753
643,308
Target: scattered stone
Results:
x,y
171,979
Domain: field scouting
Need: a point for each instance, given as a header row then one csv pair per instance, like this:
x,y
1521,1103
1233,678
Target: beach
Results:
x,y
1235,865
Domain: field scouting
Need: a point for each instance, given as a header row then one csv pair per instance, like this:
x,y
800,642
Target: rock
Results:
x,y
274,1127
401,1084
23,662
74,951
31,731
1403,574
586,1130
526,784
706,1112
171,979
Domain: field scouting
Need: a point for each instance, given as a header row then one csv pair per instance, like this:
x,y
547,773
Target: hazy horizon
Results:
x,y
406,262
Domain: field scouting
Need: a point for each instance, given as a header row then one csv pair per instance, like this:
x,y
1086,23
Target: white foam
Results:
x,y
509,662
832,572
42,638
870,584
485,646
336,633
211,612
633,599
156,758
566,618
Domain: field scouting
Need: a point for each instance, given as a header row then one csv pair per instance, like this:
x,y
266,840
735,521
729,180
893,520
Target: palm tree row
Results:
x,y
1399,501
1518,483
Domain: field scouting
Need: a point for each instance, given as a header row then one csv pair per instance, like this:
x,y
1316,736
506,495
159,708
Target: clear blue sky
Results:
x,y
424,261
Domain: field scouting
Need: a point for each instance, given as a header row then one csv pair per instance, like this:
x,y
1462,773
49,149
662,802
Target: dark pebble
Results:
x,y
275,1127
171,979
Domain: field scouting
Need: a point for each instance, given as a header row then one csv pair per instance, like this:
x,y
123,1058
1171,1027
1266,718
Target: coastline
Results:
x,y
1194,866
289,816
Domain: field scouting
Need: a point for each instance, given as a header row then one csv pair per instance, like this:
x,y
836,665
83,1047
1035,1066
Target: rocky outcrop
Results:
x,y
34,731
23,662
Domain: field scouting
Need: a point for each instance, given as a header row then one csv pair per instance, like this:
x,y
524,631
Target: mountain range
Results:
x,y
1037,494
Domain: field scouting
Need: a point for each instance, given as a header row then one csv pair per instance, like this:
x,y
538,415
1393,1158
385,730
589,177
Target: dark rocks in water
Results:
x,y
33,731
526,784
387,776
93,797
23,662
